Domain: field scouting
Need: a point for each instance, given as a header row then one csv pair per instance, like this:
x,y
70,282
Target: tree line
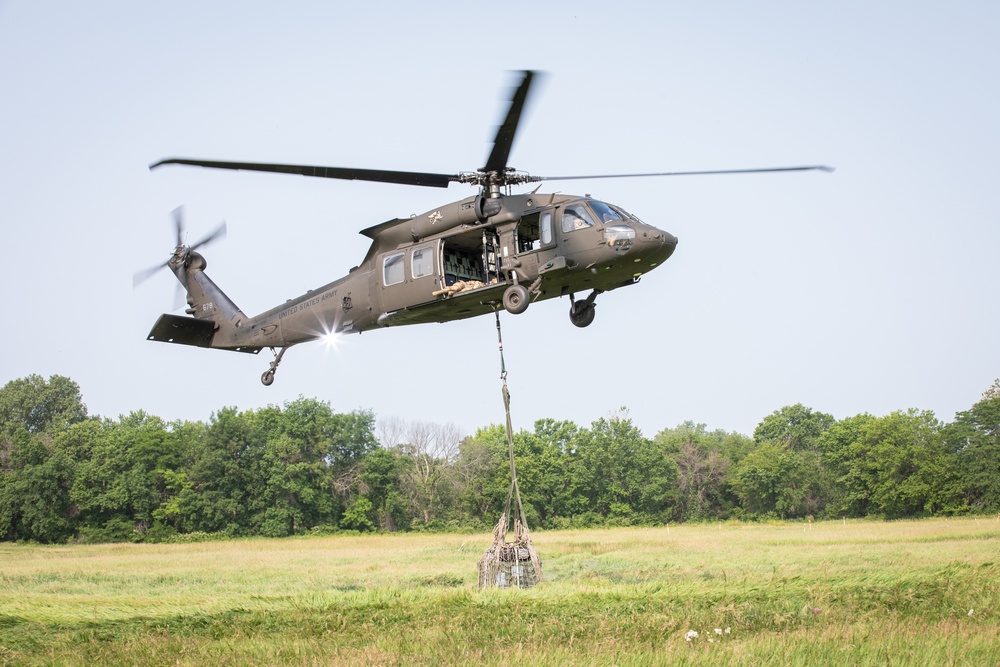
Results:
x,y
304,468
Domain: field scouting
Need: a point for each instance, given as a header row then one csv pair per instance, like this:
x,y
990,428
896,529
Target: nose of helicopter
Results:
x,y
669,243
660,244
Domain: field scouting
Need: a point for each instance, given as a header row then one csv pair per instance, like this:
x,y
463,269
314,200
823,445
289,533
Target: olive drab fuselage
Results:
x,y
444,265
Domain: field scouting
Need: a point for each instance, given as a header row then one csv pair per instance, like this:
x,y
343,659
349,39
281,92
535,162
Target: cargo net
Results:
x,y
510,564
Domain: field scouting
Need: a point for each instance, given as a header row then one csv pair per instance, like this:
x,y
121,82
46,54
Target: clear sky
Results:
x,y
872,289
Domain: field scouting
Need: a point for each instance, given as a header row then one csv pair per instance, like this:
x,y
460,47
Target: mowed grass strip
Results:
x,y
915,592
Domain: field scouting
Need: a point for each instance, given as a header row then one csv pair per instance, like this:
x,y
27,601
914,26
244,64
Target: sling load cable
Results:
x,y
521,534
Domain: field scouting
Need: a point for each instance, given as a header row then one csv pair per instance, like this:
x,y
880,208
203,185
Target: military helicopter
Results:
x,y
492,250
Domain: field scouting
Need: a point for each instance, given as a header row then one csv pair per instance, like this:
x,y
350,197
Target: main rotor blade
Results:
x,y
376,175
534,179
497,161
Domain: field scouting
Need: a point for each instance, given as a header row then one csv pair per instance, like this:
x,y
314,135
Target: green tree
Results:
x,y
295,494
40,406
556,491
794,426
776,479
34,491
357,516
380,479
974,439
35,475
625,476
482,477
547,471
223,475
118,474
786,474
895,466
845,451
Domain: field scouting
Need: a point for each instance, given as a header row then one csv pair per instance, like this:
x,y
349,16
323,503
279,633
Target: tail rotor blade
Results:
x,y
140,277
217,233
180,250
178,214
179,301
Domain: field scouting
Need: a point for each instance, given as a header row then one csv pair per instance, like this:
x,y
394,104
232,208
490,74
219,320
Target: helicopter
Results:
x,y
489,251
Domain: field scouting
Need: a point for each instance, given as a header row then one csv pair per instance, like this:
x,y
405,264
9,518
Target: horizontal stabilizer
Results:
x,y
182,330
188,331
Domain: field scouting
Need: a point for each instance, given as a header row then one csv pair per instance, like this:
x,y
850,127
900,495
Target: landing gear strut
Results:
x,y
581,313
268,376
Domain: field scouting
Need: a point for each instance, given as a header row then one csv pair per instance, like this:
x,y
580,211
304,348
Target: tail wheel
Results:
x,y
267,378
516,299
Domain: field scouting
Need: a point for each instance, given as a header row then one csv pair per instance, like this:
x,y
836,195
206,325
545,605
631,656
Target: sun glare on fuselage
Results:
x,y
331,340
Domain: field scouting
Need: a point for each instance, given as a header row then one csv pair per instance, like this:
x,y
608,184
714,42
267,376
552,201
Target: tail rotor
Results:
x,y
182,252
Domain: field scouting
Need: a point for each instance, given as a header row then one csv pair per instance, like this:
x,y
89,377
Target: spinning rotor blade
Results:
x,y
180,250
140,277
217,233
179,224
345,173
535,179
497,161
494,175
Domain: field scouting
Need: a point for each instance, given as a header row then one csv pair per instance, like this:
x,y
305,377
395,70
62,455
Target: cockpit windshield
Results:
x,y
576,216
627,216
605,213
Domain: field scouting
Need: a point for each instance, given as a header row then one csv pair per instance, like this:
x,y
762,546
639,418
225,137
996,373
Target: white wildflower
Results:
x,y
970,612
728,630
718,631
691,634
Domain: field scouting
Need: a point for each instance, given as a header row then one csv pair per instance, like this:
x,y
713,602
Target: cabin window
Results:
x,y
545,226
422,262
576,217
392,269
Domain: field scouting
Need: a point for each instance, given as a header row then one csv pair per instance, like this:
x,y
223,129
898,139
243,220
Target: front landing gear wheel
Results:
x,y
582,314
516,299
268,377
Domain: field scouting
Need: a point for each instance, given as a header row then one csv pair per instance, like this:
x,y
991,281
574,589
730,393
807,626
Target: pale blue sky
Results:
x,y
871,289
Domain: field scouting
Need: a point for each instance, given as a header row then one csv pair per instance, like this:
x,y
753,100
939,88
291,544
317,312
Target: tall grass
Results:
x,y
914,592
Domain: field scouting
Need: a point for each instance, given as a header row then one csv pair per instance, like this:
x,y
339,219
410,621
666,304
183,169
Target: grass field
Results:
x,y
859,593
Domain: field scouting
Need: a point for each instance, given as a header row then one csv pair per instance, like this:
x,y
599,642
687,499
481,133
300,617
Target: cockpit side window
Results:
x,y
576,217
604,212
